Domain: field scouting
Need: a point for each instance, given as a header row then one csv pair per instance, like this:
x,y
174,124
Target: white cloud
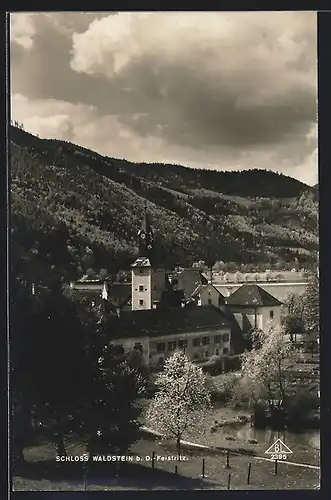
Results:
x,y
22,29
212,90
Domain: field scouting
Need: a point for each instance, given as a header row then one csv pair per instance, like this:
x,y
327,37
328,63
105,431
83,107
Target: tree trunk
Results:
x,y
178,446
61,450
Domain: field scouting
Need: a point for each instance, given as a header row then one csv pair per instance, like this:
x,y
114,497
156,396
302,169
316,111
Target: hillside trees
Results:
x,y
64,195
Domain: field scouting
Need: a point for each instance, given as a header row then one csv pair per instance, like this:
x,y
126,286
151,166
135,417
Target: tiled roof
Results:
x,y
119,293
189,280
142,262
200,288
252,295
167,321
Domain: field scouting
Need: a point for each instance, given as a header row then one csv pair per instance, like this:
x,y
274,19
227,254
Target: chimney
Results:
x,y
210,278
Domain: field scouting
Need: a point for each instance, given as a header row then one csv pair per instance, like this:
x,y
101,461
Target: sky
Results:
x,y
216,90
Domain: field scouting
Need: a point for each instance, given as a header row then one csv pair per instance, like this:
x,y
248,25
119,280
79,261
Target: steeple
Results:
x,y
145,237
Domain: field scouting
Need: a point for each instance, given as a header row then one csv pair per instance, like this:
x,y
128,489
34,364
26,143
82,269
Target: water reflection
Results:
x,y
246,432
304,445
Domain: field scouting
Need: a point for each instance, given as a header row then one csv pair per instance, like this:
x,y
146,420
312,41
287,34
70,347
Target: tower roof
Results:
x,y
145,224
145,237
142,262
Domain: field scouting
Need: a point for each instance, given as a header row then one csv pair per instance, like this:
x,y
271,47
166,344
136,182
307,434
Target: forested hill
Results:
x,y
74,210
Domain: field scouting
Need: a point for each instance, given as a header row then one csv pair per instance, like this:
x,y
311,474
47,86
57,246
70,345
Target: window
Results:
x,y
225,350
209,293
205,340
138,347
118,349
141,302
196,356
154,287
196,342
218,339
271,315
171,346
182,343
141,288
206,354
160,347
160,361
210,302
226,337
141,271
217,351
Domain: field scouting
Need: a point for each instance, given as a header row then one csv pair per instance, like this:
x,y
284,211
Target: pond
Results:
x,y
305,446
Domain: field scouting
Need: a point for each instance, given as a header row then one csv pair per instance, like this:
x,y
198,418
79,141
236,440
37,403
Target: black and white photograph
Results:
x,y
163,251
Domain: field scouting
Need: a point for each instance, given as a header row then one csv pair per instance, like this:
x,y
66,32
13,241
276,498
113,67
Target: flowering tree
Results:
x,y
266,367
181,399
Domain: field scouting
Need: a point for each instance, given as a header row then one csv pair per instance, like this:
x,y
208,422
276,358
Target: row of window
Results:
x,y
198,355
197,341
119,349
141,288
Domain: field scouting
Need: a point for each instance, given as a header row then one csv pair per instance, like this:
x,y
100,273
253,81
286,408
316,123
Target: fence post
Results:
x,y
203,467
176,470
153,459
229,480
228,459
249,472
276,467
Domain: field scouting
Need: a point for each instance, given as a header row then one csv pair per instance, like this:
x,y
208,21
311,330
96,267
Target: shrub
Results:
x,y
222,386
301,405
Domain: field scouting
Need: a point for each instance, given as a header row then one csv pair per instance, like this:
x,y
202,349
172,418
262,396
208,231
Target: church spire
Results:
x,y
145,236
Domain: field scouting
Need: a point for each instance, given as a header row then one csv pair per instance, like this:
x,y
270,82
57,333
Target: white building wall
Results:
x,y
209,296
264,313
141,288
129,343
200,352
151,356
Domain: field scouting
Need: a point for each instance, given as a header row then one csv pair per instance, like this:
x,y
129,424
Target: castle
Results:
x,y
161,311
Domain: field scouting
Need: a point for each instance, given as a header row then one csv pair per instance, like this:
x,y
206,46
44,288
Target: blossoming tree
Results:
x,y
181,400
267,366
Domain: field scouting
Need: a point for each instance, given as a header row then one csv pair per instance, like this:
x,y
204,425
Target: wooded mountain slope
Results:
x,y
74,210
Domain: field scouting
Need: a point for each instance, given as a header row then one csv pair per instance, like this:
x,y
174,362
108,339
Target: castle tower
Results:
x,y
148,281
